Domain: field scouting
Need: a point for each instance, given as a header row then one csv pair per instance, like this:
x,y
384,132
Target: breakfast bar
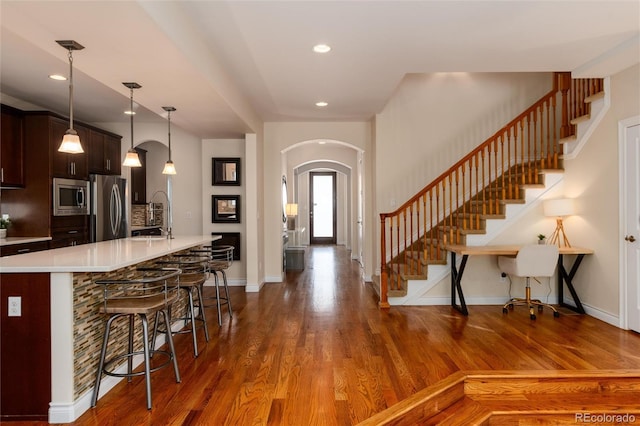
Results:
x,y
75,324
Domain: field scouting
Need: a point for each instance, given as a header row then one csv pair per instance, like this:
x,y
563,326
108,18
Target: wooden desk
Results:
x,y
564,277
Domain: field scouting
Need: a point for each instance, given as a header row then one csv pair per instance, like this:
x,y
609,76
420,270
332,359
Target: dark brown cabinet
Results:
x,y
104,153
139,179
13,249
69,231
25,354
74,166
12,148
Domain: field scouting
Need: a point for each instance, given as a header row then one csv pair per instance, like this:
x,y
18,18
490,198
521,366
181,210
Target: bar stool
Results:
x,y
220,259
145,293
191,280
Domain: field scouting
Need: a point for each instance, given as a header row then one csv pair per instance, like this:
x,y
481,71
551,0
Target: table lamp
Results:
x,y
559,208
291,211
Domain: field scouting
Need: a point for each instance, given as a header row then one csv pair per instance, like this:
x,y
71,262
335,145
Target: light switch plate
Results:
x,y
15,306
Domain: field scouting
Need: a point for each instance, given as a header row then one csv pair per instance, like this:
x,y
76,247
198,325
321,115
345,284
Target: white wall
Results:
x,y
233,148
433,120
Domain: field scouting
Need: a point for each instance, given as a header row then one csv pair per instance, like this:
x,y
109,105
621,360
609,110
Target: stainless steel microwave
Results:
x,y
70,197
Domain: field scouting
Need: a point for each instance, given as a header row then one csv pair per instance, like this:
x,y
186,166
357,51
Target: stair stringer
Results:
x,y
599,105
417,289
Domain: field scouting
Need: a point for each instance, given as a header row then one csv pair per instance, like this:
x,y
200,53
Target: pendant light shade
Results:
x,y
132,159
70,141
169,167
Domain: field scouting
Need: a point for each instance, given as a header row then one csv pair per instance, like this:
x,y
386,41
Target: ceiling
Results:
x,y
228,66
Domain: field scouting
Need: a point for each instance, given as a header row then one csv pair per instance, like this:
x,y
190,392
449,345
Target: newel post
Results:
x,y
384,301
564,85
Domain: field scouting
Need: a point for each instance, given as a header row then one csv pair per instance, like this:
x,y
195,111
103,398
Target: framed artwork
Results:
x,y
225,171
229,239
225,208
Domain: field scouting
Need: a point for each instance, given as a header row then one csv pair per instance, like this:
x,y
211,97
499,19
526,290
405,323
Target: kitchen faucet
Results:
x,y
167,232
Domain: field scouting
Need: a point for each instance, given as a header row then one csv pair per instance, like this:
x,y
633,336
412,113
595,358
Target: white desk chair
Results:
x,y
531,261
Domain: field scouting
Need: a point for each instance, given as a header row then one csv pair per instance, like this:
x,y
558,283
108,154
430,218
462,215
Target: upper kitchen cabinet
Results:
x,y
74,166
139,179
12,148
104,153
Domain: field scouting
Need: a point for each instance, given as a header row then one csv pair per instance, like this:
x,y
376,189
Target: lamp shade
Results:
x,y
559,207
71,143
292,210
132,159
169,168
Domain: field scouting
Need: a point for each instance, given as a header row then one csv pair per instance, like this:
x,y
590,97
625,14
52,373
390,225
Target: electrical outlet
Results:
x,y
503,277
15,306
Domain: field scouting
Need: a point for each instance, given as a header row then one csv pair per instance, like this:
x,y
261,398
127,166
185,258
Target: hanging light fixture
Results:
x,y
132,159
169,167
70,141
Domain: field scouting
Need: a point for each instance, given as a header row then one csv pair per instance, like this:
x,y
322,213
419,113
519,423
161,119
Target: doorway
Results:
x,y
322,211
630,149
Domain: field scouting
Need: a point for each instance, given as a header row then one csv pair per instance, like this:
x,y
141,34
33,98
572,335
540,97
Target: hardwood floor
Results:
x,y
316,350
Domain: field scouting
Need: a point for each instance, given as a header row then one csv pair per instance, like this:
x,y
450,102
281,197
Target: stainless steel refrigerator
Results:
x,y
108,215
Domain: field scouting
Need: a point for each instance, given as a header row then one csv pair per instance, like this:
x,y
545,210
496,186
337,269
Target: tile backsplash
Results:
x,y
140,215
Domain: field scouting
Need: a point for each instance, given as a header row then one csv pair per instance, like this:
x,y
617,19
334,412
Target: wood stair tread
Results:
x,y
550,403
465,411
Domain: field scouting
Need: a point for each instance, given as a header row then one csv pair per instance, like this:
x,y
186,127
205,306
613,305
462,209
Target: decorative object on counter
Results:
x,y
70,141
559,208
292,212
169,167
5,221
226,171
132,159
226,208
541,238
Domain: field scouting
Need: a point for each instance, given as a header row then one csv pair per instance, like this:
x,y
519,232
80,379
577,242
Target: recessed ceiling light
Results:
x,y
321,104
130,112
321,48
322,142
57,77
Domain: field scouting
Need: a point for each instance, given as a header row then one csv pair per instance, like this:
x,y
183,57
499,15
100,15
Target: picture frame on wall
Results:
x,y
225,171
225,208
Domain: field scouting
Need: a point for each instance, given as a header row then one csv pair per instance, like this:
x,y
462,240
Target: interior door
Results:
x,y
322,211
632,225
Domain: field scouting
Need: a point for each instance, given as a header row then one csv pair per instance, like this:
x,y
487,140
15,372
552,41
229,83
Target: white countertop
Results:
x,y
104,256
21,240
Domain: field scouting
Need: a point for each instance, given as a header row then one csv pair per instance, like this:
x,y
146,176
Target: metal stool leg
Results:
x,y
167,320
147,361
103,354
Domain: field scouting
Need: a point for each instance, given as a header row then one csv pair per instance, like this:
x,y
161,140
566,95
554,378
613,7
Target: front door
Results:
x,y
322,214
631,204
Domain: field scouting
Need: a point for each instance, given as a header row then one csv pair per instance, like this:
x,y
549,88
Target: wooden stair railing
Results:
x,y
476,188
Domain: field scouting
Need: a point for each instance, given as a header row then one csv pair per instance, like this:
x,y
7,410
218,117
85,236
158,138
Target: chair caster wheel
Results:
x,y
540,308
556,314
532,316
511,306
505,311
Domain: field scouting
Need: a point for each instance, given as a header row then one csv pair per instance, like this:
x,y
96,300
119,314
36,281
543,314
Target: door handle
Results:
x,y
630,238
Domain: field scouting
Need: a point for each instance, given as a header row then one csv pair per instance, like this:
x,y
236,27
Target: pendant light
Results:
x,y
169,167
70,141
132,159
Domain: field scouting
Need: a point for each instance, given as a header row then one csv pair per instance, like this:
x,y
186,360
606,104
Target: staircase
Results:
x,y
469,202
